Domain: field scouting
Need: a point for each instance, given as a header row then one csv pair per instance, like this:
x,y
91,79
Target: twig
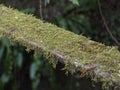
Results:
x,y
10,30
87,70
41,9
105,24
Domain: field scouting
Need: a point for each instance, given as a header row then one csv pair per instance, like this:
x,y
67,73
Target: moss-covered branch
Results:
x,y
56,44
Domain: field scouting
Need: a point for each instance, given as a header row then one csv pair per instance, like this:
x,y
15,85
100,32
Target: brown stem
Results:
x,y
105,24
41,9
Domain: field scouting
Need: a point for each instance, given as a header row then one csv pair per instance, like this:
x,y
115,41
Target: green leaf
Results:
x,y
34,76
47,2
19,59
34,68
35,83
75,2
5,42
1,52
28,10
5,78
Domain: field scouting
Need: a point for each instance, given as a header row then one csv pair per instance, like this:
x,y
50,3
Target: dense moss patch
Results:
x,y
75,50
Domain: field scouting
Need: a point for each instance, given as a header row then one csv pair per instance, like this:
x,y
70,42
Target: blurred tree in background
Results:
x,y
22,70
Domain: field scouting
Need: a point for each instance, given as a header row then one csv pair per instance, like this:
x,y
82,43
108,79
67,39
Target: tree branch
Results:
x,y
76,52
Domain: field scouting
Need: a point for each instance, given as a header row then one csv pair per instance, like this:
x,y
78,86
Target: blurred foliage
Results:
x,y
26,71
13,60
9,58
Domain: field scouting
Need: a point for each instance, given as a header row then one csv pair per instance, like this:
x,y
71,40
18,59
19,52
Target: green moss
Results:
x,y
77,50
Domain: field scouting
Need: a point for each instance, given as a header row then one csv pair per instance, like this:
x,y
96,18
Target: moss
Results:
x,y
77,50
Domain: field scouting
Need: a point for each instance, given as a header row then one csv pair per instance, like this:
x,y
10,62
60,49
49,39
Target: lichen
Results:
x,y
77,50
